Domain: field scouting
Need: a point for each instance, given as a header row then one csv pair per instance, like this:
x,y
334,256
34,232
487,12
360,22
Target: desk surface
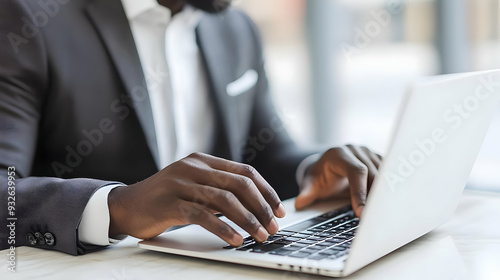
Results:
x,y
467,247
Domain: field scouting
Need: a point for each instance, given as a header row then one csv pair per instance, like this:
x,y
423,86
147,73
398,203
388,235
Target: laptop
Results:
x,y
439,132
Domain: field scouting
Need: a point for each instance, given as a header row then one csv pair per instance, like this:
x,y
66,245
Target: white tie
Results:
x,y
158,80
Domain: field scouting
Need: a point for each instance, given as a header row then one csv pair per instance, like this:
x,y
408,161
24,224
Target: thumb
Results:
x,y
306,197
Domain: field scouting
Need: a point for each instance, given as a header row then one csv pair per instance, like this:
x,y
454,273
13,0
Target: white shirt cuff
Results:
x,y
94,225
304,164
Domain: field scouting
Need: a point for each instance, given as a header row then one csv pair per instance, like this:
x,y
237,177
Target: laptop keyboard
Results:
x,y
326,236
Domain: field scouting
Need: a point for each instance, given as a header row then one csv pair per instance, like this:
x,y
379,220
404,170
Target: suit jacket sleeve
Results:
x,y
43,205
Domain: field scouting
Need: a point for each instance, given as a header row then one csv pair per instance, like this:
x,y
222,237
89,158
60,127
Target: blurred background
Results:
x,y
339,68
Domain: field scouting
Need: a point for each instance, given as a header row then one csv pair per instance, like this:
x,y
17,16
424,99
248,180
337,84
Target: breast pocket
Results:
x,y
241,92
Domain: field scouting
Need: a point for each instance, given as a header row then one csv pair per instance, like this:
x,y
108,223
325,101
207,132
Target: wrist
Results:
x,y
117,212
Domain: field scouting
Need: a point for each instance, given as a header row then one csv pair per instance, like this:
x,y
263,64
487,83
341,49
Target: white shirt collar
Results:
x,y
134,8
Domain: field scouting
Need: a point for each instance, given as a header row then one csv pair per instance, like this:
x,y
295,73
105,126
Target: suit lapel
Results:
x,y
111,22
209,36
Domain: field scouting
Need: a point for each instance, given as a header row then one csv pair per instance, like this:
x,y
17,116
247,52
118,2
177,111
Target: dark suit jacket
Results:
x,y
75,113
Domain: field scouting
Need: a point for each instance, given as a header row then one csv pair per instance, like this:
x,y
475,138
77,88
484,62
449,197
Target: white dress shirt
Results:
x,y
183,113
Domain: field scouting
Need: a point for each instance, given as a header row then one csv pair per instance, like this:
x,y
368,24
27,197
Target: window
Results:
x,y
338,68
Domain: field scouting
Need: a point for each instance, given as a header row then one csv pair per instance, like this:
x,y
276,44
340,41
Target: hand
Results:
x,y
341,171
190,191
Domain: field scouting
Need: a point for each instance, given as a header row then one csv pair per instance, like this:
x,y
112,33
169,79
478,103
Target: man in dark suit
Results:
x,y
77,116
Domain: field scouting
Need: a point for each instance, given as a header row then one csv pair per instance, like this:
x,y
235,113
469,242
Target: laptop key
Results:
x,y
337,222
300,245
308,251
246,248
334,231
293,247
274,237
281,252
249,246
336,240
327,243
342,228
331,251
324,227
291,238
325,252
348,233
344,237
247,241
285,232
316,247
306,241
351,224
300,235
266,248
316,238
342,246
317,257
283,242
299,254
341,220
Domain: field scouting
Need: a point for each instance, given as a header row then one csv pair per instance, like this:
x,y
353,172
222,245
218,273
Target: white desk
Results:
x,y
467,247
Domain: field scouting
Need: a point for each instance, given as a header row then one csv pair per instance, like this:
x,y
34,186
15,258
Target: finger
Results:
x,y
343,162
245,192
307,195
196,214
248,171
374,157
231,207
363,156
267,192
252,199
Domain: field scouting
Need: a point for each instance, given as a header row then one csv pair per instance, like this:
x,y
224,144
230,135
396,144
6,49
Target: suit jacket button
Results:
x,y
39,238
31,238
49,239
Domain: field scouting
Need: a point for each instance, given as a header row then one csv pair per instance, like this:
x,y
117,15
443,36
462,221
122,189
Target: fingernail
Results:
x,y
281,211
273,226
237,240
262,234
360,210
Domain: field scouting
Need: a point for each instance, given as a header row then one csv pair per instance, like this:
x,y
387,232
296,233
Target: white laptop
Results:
x,y
440,130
